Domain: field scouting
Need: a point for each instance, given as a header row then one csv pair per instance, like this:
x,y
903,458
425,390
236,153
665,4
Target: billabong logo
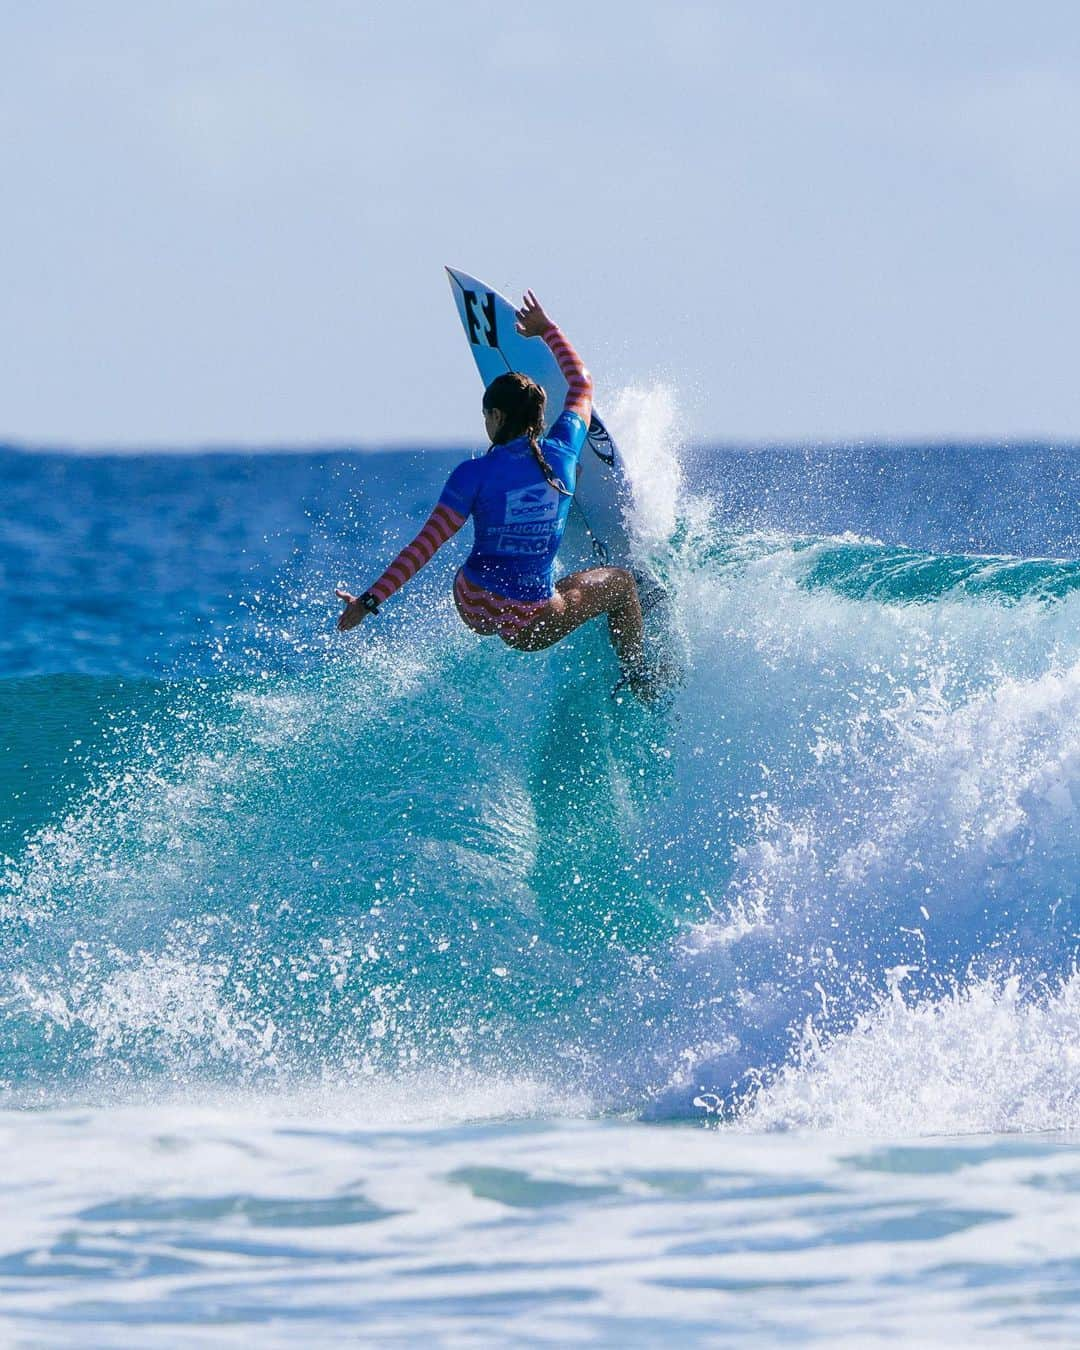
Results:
x,y
531,503
480,319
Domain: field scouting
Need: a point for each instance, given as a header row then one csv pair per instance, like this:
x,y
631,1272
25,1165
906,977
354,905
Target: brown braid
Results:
x,y
521,401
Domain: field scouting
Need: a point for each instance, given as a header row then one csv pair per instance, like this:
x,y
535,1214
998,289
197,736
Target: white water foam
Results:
x,y
906,784
644,422
985,1059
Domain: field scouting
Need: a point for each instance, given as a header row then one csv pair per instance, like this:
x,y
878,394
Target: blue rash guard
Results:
x,y
519,518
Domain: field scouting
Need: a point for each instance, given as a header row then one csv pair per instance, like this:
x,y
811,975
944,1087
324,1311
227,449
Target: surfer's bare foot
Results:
x,y
650,679
643,691
641,677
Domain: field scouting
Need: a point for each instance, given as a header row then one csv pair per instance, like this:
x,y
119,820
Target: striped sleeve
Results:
x,y
443,522
579,394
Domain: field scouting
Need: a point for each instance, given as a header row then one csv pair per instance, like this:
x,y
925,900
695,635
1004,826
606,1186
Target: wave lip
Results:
x,y
868,570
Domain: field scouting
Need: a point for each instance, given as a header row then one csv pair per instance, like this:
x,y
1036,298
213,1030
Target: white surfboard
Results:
x,y
603,491
490,324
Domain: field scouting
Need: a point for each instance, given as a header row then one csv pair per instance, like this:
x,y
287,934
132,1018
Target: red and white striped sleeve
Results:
x,y
579,394
443,522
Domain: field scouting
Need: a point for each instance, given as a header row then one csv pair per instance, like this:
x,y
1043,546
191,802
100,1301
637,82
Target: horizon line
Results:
x,y
333,447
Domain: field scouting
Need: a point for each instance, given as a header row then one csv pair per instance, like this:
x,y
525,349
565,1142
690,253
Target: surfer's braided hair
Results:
x,y
521,402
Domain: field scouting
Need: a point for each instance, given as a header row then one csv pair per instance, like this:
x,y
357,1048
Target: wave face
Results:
x,y
835,884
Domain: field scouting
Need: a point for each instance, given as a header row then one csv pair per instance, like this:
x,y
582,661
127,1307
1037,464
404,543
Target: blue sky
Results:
x,y
227,222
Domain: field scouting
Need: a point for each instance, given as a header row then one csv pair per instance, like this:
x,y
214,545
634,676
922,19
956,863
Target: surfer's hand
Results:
x,y
353,613
531,319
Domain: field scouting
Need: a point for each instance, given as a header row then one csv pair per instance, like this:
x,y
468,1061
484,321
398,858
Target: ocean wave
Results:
x,y
419,854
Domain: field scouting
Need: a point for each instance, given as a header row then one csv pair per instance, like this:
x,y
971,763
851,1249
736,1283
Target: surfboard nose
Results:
x,y
463,280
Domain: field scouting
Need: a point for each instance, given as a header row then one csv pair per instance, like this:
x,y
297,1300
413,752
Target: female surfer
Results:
x,y
518,495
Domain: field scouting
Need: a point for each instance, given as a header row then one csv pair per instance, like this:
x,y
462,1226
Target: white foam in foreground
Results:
x,y
982,1060
241,1223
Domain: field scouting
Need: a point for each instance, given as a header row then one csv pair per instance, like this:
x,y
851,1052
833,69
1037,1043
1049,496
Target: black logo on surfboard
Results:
x,y
600,440
480,318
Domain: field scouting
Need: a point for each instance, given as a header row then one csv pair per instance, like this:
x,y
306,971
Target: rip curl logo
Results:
x,y
600,440
530,504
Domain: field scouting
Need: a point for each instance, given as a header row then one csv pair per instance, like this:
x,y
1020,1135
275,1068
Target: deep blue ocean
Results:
x,y
397,987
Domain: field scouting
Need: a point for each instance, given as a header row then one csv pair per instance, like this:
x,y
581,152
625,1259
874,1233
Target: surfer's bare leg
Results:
x,y
583,596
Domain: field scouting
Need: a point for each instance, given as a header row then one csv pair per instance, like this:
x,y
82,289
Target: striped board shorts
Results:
x,y
488,614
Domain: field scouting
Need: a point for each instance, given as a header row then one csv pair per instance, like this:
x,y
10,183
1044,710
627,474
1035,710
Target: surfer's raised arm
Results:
x,y
533,322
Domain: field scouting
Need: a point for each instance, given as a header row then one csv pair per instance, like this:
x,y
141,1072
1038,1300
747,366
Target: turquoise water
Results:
x,y
407,985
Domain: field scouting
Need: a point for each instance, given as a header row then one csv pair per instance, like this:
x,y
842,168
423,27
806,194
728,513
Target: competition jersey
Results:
x,y
518,516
